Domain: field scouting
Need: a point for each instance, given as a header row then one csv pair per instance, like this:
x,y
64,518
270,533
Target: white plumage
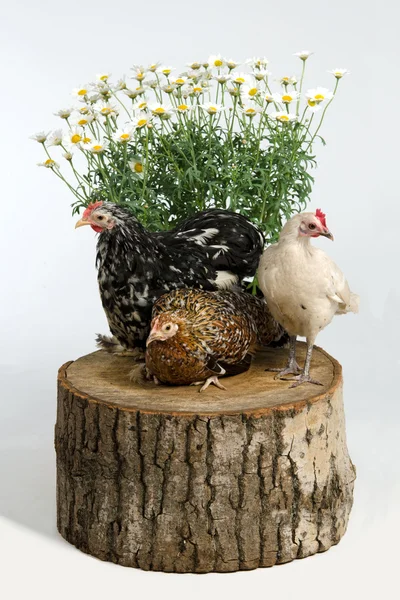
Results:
x,y
303,287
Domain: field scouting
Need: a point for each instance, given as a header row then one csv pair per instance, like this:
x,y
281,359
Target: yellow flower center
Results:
x,y
49,162
105,110
168,89
239,80
183,107
125,136
166,71
285,79
311,103
104,78
86,140
84,110
97,148
138,167
159,110
195,66
319,97
253,91
142,105
82,121
283,118
179,81
250,111
141,122
82,92
269,98
76,138
152,68
218,62
286,98
139,76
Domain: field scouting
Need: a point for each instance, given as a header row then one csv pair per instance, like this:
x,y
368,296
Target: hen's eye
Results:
x,y
167,327
100,218
311,226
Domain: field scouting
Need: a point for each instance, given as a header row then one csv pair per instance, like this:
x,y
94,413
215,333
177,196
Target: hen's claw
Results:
x,y
209,381
292,369
302,378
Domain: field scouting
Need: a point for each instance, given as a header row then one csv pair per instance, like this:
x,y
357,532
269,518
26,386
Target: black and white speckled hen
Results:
x,y
197,336
212,250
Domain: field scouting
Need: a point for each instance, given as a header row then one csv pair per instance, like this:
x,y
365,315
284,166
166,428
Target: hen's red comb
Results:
x,y
321,216
88,211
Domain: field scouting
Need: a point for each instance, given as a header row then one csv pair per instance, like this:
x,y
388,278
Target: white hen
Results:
x,y
303,287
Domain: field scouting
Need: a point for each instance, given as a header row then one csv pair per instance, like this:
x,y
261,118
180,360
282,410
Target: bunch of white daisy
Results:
x,y
124,139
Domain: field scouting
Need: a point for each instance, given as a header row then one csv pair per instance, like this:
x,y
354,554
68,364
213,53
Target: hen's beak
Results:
x,y
328,235
155,335
81,223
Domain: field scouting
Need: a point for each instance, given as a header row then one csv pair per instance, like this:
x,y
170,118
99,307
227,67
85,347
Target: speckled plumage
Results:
x,y
211,250
217,334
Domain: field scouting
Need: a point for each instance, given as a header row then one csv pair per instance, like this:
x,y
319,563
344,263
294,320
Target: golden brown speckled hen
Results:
x,y
197,336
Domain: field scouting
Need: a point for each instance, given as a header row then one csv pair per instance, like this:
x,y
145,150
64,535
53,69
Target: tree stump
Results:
x,y
167,479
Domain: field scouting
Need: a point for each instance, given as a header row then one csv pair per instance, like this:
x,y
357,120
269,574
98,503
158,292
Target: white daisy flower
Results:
x,y
106,109
223,78
241,78
63,113
151,83
153,67
93,97
86,140
140,104
103,76
262,74
283,117
234,91
136,167
250,111
249,92
97,147
304,54
179,81
139,72
83,120
194,65
196,90
257,62
83,110
183,108
120,85
231,64
102,88
161,110
142,119
164,70
287,97
125,134
339,73
132,93
81,92
288,80
40,137
212,108
269,98
74,136
216,60
55,138
168,89
49,164
318,95
68,155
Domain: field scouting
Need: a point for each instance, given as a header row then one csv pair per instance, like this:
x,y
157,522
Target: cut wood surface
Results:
x,y
165,478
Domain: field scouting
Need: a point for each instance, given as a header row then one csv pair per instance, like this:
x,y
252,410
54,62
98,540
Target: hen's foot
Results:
x,y
140,374
209,381
291,369
300,379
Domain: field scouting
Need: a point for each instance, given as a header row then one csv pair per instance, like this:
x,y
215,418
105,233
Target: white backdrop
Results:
x,y
50,309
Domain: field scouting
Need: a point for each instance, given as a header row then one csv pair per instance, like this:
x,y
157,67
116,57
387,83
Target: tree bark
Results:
x,y
167,479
